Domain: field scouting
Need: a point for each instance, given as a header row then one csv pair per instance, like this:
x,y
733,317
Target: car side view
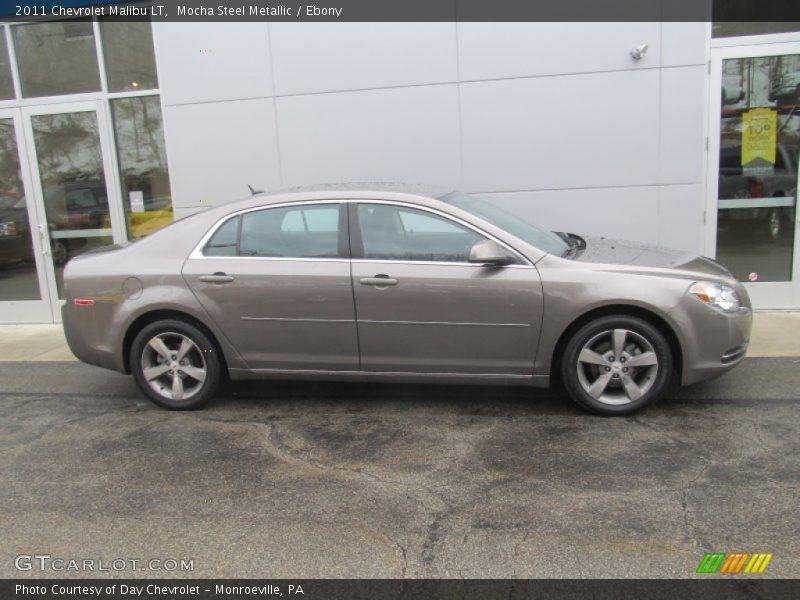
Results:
x,y
396,283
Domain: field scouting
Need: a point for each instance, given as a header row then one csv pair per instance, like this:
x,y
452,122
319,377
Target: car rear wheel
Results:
x,y
616,365
174,363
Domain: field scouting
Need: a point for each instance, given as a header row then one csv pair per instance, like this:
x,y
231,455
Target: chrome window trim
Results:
x,y
197,252
275,258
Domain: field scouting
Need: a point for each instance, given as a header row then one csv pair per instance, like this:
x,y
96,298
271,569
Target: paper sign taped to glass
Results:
x,y
137,201
759,135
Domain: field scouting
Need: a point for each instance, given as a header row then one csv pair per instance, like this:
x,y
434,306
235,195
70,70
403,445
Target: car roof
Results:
x,y
331,191
417,189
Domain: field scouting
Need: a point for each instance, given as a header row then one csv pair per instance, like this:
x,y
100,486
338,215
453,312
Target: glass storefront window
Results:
x,y
18,279
129,57
758,166
6,84
142,164
56,58
69,148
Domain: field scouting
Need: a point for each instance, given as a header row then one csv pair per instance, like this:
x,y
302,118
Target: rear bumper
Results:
x,y
86,340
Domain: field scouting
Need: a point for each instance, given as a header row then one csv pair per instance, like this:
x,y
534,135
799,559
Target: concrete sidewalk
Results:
x,y
775,333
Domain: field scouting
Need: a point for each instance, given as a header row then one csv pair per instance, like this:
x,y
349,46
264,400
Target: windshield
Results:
x,y
544,240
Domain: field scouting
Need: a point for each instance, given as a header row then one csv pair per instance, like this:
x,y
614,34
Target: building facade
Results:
x,y
680,134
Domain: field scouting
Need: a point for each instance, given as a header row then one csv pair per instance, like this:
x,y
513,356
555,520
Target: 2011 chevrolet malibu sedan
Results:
x,y
395,283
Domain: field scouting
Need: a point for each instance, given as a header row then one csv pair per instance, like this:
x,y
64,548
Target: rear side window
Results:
x,y
223,242
310,231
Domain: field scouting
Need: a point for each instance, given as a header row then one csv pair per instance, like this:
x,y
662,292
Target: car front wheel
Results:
x,y
175,364
616,365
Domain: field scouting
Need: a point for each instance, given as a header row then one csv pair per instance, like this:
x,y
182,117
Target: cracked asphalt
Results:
x,y
305,480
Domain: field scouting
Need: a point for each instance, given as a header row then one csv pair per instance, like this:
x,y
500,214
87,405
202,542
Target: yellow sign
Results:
x,y
759,130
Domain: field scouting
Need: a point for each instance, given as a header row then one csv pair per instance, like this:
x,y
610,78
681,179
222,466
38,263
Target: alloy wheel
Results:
x,y
174,366
617,366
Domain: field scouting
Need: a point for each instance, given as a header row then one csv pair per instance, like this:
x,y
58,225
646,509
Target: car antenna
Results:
x,y
253,192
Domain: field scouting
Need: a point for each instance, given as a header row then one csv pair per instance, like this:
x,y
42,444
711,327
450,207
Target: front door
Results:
x,y
423,308
753,176
277,282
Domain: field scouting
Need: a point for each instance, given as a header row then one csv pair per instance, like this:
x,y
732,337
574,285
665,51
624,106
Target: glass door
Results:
x,y
753,177
24,292
71,160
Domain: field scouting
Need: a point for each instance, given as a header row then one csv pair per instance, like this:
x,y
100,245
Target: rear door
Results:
x,y
424,308
277,282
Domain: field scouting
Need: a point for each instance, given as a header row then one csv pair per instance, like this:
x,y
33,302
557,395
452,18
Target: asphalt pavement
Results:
x,y
302,480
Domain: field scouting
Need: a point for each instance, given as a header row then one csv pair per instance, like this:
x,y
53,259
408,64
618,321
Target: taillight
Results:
x,y
84,302
756,188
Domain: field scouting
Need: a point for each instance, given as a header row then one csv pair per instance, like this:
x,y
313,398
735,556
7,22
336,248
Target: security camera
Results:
x,y
639,51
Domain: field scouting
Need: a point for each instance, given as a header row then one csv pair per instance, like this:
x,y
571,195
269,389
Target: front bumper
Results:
x,y
714,342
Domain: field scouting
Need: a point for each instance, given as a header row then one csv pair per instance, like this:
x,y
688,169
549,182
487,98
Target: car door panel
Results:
x,y
441,318
281,313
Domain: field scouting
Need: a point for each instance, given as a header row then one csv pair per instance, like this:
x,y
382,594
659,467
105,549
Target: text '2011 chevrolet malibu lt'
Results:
x,y
394,283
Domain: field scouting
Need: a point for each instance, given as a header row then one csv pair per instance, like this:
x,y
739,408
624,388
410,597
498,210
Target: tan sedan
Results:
x,y
391,283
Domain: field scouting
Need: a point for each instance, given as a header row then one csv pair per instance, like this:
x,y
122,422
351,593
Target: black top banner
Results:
x,y
405,10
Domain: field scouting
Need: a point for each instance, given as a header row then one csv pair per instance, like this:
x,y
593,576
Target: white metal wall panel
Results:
x,y
324,57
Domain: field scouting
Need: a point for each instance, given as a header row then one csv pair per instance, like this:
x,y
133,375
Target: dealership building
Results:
x,y
682,134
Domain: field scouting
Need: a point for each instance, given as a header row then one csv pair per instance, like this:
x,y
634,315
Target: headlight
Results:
x,y
719,296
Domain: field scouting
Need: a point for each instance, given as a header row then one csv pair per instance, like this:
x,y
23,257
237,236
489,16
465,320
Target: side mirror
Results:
x,y
489,252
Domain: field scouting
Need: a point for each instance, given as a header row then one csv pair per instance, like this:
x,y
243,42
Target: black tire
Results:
x,y
615,399
202,357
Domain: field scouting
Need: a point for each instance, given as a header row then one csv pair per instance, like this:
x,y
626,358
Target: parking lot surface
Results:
x,y
376,480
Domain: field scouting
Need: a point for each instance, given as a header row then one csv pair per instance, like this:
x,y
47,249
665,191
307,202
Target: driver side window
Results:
x,y
399,233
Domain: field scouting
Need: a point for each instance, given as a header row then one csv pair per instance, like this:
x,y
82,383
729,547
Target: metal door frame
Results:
x,y
110,169
28,311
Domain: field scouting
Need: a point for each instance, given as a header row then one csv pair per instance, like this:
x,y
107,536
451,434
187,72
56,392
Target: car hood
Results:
x,y
637,254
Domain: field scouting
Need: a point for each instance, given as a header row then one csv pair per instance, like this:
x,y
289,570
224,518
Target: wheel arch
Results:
x,y
631,310
152,316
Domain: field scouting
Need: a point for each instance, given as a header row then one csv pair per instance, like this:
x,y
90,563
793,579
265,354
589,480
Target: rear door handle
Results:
x,y
216,278
378,280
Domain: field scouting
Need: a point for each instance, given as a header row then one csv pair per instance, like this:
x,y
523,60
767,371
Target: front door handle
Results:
x,y
216,278
378,281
